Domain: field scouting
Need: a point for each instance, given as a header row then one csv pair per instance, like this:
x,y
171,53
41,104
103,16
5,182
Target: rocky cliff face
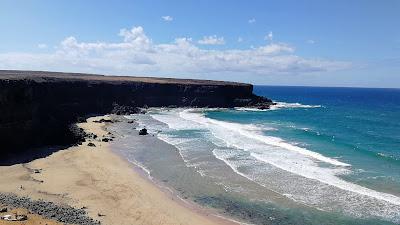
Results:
x,y
38,108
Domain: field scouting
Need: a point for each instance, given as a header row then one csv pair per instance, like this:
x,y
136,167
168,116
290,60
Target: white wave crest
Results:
x,y
312,178
278,105
284,155
285,105
245,130
249,109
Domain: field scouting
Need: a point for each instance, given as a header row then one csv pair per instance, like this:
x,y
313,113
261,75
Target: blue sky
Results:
x,y
318,43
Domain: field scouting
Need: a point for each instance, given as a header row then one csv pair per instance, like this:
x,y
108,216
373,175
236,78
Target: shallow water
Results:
x,y
321,156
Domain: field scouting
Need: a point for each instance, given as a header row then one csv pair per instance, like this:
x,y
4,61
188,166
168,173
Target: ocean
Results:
x,y
320,156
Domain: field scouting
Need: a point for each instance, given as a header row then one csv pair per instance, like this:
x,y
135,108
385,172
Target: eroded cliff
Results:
x,y
38,108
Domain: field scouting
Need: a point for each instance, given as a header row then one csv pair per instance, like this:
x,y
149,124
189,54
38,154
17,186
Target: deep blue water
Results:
x,y
356,126
360,124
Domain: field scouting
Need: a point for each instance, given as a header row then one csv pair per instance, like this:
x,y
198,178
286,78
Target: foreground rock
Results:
x,y
49,210
143,131
90,144
106,139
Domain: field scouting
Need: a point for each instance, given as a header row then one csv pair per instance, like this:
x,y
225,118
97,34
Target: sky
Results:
x,y
299,42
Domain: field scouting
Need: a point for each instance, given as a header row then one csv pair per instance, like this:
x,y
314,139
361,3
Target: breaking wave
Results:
x,y
279,105
295,172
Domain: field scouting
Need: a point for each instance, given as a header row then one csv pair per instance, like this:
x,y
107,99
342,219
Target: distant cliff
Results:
x,y
38,108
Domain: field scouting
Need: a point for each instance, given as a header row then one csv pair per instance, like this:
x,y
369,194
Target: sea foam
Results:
x,y
282,105
278,105
248,132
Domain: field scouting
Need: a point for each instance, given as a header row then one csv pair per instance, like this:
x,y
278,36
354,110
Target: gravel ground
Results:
x,y
49,210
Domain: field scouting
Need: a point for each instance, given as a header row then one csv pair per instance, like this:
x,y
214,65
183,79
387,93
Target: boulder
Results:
x,y
106,139
143,131
90,144
91,135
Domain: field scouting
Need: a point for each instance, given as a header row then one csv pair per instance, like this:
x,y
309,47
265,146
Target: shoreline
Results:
x,y
110,188
173,194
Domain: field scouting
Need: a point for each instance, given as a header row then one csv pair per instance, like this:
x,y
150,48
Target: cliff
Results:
x,y
38,108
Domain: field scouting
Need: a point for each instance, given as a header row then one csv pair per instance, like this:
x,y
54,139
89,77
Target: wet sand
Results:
x,y
100,181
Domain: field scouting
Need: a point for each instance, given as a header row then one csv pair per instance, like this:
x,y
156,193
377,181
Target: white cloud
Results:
x,y
311,42
42,46
276,48
135,36
252,20
212,40
269,36
167,18
137,54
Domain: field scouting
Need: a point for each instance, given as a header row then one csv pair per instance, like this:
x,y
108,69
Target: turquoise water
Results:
x,y
362,126
320,156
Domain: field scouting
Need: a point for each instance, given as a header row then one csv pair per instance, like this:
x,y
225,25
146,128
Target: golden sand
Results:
x,y
98,179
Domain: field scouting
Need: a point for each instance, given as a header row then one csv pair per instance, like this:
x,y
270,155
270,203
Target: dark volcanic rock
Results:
x,y
125,110
143,131
90,144
91,136
106,139
63,214
38,108
103,121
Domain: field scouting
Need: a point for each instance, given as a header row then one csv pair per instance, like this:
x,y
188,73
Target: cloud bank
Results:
x,y
137,54
212,40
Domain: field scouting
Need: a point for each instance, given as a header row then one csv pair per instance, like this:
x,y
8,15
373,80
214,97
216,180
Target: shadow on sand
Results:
x,y
29,155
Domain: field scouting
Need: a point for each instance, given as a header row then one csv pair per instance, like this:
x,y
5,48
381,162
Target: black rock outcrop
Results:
x,y
143,131
38,108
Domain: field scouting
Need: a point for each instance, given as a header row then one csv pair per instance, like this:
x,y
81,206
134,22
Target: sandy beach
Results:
x,y
98,180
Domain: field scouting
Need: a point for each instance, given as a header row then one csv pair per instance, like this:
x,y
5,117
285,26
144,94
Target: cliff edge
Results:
x,y
38,108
